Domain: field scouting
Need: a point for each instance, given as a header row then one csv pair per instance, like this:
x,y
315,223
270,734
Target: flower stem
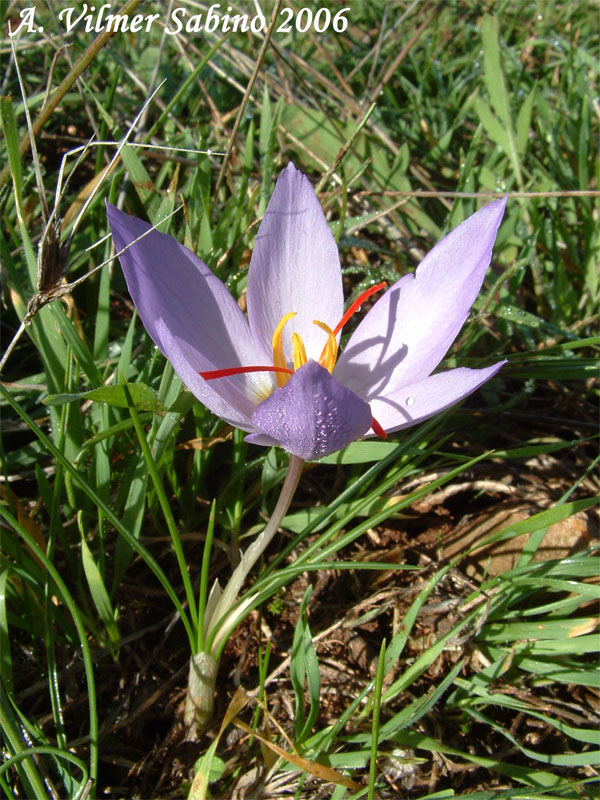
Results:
x,y
203,666
256,549
200,698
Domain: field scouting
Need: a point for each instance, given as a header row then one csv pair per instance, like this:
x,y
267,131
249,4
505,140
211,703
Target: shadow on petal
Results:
x,y
373,355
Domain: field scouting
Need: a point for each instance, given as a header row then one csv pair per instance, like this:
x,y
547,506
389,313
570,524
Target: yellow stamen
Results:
x,y
278,356
329,354
299,351
299,358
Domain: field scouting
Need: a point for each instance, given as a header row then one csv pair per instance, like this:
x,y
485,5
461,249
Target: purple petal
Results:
x,y
191,317
408,405
312,415
408,331
295,266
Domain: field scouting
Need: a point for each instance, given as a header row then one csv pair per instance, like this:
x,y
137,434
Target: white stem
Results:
x,y
202,679
200,698
258,546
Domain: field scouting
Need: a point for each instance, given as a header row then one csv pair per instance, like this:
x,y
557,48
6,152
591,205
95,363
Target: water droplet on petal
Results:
x,y
410,401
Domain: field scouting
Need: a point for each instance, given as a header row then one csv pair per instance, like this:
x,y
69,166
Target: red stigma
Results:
x,y
211,374
357,304
378,429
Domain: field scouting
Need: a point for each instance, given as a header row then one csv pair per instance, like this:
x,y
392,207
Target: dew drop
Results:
x,y
209,152
410,401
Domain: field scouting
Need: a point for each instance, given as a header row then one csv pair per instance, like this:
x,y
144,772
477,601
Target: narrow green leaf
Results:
x,y
77,344
102,323
496,86
494,128
11,137
543,520
557,629
304,666
5,652
142,182
12,736
361,453
492,69
167,204
143,396
377,692
265,122
135,485
524,122
518,316
98,591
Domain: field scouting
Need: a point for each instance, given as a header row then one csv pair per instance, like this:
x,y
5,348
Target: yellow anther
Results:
x,y
278,356
299,351
299,358
329,354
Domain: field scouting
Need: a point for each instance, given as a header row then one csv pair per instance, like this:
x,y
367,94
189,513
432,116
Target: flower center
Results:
x,y
328,356
330,350
280,367
327,359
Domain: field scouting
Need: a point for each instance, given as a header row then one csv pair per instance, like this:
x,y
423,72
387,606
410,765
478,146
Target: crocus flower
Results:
x,y
278,373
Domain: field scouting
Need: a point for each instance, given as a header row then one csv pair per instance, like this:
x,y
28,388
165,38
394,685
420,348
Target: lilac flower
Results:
x,y
277,373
